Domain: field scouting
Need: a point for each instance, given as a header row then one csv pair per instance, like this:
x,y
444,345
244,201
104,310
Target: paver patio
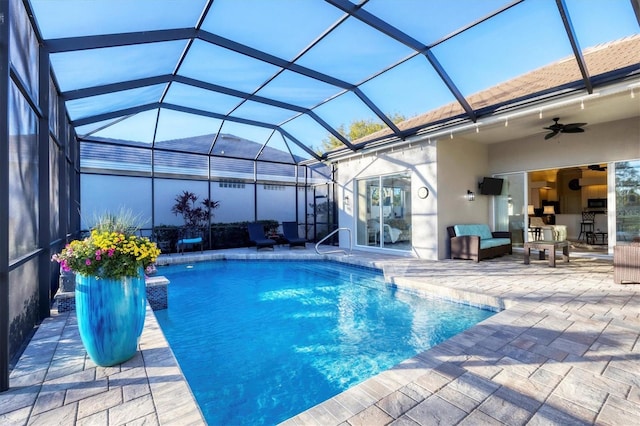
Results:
x,y
564,350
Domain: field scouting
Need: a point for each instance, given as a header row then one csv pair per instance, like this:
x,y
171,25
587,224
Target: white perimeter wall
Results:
x,y
106,193
278,202
165,193
100,194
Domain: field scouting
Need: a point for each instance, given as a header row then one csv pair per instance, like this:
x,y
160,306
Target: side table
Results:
x,y
542,246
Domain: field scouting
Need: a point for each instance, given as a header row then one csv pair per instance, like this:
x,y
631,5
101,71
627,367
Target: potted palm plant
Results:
x,y
110,292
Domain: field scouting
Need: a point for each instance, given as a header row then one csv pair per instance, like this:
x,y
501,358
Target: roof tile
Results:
x,y
599,59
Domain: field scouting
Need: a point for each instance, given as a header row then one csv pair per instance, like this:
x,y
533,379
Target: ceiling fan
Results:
x,y
563,128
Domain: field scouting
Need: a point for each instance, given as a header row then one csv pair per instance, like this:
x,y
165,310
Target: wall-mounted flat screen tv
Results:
x,y
491,186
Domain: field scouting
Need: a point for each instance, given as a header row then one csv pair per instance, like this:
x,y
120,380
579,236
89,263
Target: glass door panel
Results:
x,y
384,212
368,212
396,212
627,194
510,207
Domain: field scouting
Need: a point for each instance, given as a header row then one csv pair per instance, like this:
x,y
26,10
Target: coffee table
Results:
x,y
542,246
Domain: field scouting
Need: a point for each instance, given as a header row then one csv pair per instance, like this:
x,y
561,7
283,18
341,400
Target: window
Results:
x,y
627,201
274,187
231,184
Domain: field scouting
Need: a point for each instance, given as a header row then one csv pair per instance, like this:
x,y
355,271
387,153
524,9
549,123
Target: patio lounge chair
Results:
x,y
256,235
290,231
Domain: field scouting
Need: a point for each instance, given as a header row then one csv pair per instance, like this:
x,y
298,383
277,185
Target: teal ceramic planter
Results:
x,y
110,316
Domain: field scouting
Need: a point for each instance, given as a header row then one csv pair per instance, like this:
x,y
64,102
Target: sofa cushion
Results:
x,y
493,242
190,240
481,230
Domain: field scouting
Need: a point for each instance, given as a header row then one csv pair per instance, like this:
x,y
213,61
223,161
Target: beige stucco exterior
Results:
x,y
449,166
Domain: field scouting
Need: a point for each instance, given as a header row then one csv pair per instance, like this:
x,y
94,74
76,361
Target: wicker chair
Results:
x,y
626,263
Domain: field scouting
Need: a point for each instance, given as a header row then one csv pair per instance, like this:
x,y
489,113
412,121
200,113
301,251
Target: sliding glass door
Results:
x,y
384,212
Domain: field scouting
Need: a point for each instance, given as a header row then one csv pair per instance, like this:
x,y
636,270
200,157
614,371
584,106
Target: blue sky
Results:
x,y
524,37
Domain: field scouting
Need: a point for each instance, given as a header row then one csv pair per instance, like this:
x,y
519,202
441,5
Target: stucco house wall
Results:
x,y
613,141
447,167
450,167
461,165
419,160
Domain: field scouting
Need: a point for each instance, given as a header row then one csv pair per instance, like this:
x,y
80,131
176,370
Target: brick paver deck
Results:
x,y
56,383
564,350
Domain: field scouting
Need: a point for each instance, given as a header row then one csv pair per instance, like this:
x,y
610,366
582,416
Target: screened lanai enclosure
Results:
x,y
107,104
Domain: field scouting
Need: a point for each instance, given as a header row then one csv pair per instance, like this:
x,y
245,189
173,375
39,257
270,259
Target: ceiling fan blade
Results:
x,y
574,125
557,127
597,167
550,135
572,130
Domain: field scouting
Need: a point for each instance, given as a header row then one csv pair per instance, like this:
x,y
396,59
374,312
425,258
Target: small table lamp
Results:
x,y
548,211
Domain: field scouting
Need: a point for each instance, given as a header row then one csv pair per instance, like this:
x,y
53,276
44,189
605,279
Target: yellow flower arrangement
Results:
x,y
110,251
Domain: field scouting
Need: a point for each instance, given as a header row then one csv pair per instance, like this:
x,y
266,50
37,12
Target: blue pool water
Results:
x,y
261,341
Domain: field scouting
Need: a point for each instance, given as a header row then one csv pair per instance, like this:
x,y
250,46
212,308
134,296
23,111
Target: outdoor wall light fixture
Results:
x,y
347,202
471,195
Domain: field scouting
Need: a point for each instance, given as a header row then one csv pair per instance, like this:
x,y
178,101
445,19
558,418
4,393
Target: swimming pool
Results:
x,y
261,341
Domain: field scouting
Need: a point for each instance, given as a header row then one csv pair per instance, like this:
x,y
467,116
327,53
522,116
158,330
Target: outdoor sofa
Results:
x,y
477,242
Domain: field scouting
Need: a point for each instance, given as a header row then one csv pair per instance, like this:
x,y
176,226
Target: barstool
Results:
x,y
587,226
